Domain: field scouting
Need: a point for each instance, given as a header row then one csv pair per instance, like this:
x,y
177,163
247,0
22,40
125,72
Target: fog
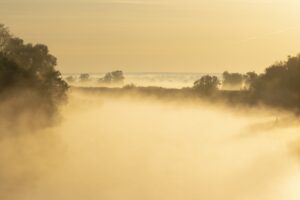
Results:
x,y
137,148
145,79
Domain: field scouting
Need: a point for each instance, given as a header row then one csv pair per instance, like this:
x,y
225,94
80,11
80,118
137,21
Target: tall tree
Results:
x,y
30,68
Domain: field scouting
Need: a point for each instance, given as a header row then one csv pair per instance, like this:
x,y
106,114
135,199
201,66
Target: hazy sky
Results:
x,y
159,35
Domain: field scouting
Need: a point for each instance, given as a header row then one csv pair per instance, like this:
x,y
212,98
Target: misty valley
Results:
x,y
140,148
153,136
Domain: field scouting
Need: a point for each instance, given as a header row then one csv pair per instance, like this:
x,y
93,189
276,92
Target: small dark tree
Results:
x,y
70,79
4,37
207,84
84,77
118,76
107,78
249,79
115,77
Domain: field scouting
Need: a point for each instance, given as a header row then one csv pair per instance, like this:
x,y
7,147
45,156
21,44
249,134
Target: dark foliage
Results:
x,y
232,80
280,84
29,69
115,77
207,84
84,77
249,79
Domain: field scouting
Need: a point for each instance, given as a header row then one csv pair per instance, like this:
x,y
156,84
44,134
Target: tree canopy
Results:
x,y
232,80
279,84
32,68
207,84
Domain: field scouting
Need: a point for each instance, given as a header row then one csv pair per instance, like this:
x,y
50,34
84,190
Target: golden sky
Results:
x,y
159,35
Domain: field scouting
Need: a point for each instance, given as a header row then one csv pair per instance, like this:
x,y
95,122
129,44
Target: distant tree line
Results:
x,y
114,77
279,85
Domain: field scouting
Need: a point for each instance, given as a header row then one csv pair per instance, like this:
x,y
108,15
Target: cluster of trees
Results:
x,y
114,77
279,85
28,67
236,81
230,81
84,77
207,84
31,68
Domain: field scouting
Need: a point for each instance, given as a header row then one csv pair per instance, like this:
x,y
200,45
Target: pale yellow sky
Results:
x,y
165,35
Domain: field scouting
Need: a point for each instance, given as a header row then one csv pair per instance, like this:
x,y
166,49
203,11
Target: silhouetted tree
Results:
x,y
249,79
31,68
232,80
207,84
70,79
280,84
116,77
84,77
107,78
4,37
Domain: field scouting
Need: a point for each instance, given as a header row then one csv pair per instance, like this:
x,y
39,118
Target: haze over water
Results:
x,y
138,148
146,128
157,79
